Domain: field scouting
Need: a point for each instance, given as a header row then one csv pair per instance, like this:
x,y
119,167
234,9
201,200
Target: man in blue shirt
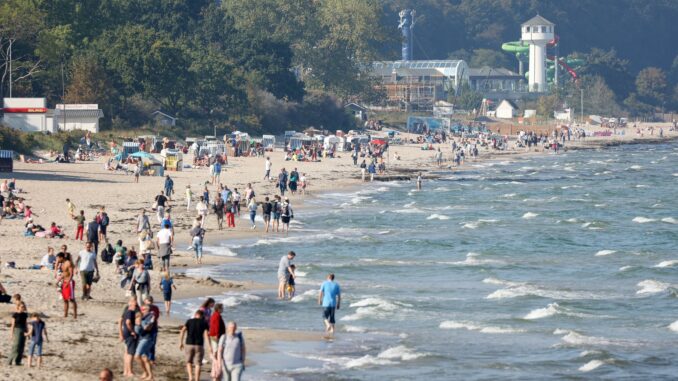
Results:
x,y
330,299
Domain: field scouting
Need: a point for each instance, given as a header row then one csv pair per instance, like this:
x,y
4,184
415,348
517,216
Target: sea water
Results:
x,y
543,267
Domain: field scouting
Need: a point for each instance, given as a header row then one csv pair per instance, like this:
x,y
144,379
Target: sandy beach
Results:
x,y
80,349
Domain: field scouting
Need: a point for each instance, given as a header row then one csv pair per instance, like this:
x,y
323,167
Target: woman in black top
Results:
x,y
18,334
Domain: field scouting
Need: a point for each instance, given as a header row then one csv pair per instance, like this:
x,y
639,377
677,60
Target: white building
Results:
x,y
506,110
77,117
537,32
26,114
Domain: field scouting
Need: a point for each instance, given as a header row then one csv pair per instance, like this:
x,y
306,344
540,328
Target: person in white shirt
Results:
x,y
202,209
267,176
87,267
164,241
48,260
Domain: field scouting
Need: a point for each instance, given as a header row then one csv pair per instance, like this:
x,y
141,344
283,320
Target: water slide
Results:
x,y
522,52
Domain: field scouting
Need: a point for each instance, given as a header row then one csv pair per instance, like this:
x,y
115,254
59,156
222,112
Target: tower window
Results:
x,y
527,29
543,29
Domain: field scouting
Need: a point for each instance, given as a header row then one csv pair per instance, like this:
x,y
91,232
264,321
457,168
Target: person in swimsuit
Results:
x,y
68,286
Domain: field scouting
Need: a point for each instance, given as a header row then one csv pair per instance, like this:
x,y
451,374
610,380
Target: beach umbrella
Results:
x,y
380,142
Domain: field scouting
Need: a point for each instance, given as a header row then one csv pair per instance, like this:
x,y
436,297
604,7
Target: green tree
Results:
x,y
468,99
488,57
652,86
166,75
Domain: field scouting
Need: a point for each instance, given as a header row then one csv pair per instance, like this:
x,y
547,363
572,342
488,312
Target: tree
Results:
x,y
20,24
546,105
218,84
166,76
599,97
89,82
488,57
613,70
651,85
468,99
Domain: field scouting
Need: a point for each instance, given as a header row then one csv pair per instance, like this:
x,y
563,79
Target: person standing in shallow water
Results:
x,y
330,299
419,181
284,272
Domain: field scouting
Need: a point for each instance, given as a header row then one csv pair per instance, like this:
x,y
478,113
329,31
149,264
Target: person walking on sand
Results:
x,y
189,197
67,283
282,181
164,242
104,221
266,209
201,208
80,225
218,209
267,167
169,187
166,286
330,299
93,234
38,333
217,328
363,170
252,208
143,224
161,202
231,354
70,208
128,335
88,269
196,332
284,272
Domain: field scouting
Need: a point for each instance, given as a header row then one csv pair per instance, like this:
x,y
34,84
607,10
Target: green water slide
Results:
x,y
522,51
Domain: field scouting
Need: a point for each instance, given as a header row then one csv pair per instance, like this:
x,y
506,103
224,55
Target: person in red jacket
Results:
x,y
217,329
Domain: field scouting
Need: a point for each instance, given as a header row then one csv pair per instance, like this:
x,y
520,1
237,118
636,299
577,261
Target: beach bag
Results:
x,y
105,220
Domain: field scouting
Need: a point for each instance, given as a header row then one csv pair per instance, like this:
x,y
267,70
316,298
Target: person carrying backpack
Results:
x,y
231,354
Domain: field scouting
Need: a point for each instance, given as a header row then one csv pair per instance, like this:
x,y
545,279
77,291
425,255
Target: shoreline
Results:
x,y
100,313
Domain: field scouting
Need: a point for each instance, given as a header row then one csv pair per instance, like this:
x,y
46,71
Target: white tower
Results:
x,y
537,32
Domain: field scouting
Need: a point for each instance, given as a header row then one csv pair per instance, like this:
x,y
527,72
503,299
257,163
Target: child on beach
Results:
x,y
166,285
37,332
290,283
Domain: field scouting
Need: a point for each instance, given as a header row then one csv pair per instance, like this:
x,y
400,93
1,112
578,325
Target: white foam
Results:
x,y
515,289
236,300
410,204
220,250
650,286
643,220
670,263
670,220
375,308
508,195
400,352
603,253
636,167
437,217
368,360
308,295
591,365
354,329
625,268
577,339
473,260
529,215
469,326
642,186
674,326
541,313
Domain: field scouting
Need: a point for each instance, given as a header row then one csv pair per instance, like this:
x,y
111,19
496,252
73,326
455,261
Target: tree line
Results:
x,y
272,65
